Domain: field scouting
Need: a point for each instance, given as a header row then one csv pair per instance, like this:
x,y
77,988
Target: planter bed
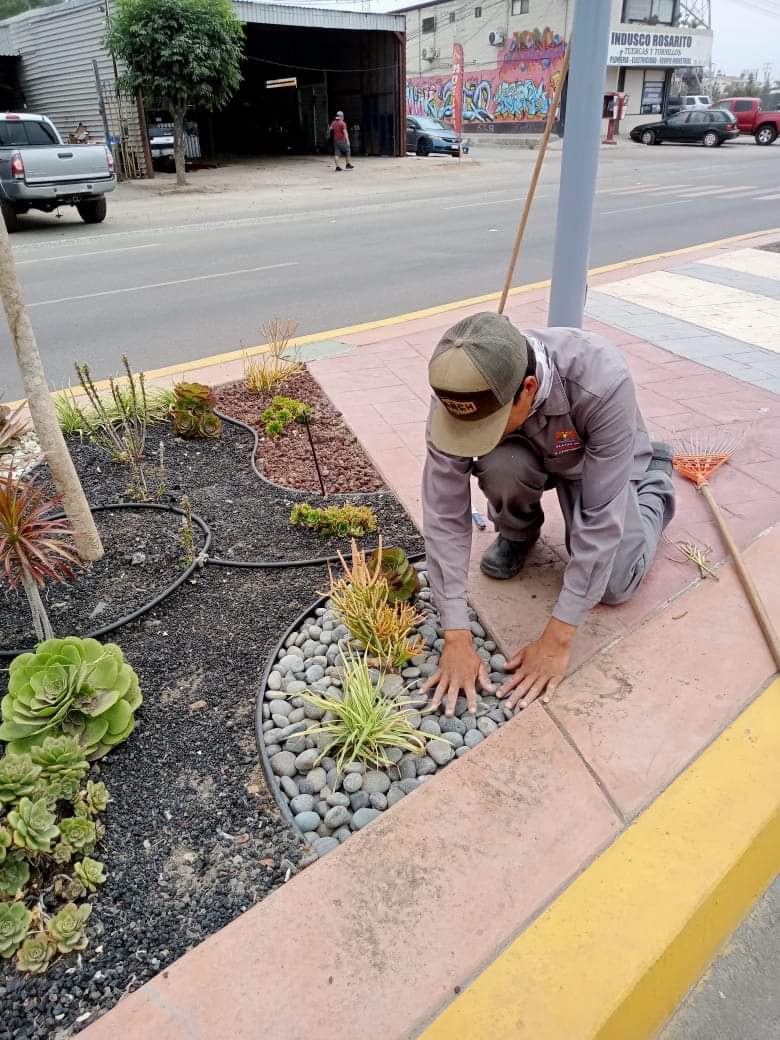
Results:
x,y
286,459
327,807
194,837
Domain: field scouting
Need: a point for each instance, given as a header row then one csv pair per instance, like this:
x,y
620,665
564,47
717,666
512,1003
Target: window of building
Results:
x,y
428,25
653,93
477,12
652,12
452,17
521,6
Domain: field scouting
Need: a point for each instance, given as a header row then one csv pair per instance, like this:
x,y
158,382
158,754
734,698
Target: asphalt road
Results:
x,y
739,997
165,283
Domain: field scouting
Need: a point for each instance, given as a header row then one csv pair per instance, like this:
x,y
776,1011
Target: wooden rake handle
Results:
x,y
752,593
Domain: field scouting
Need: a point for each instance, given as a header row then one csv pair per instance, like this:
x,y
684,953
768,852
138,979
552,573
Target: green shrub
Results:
x,y
69,687
281,412
345,521
46,843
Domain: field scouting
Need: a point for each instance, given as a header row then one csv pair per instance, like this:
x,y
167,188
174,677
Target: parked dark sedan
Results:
x,y
712,127
425,135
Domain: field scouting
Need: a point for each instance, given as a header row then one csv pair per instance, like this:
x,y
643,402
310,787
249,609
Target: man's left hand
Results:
x,y
540,667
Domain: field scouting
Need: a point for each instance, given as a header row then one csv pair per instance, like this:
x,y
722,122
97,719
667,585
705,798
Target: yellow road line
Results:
x,y
427,312
614,954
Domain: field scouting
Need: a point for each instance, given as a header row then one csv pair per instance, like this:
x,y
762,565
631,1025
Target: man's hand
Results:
x,y
460,669
540,666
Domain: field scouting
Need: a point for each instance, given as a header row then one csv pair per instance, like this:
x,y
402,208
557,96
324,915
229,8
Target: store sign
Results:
x,y
275,84
649,48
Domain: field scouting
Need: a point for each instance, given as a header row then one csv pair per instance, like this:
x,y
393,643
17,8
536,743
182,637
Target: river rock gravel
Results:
x,y
368,792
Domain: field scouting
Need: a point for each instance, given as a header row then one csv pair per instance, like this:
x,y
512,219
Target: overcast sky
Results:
x,y
745,37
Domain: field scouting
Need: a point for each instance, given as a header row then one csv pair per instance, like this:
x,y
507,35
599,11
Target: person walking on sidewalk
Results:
x,y
341,145
525,412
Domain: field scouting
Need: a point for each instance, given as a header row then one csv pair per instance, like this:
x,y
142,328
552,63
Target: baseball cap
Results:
x,y
339,115
475,371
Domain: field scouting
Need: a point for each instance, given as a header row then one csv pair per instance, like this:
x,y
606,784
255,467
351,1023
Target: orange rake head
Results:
x,y
697,457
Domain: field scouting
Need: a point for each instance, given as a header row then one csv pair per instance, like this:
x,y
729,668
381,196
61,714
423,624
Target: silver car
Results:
x,y
426,136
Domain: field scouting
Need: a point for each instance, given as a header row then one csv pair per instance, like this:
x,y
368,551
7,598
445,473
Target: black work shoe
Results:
x,y
350,166
505,558
662,457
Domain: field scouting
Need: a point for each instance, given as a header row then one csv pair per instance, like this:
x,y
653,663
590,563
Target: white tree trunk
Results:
x,y
42,410
41,623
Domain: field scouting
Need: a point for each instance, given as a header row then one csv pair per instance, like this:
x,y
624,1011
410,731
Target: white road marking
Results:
x,y
494,202
161,285
758,262
94,252
634,209
741,188
766,198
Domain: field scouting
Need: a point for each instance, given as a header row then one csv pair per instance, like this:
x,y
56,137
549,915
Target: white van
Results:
x,y
694,101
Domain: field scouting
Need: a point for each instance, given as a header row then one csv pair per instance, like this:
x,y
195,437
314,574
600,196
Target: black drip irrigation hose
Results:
x,y
271,779
146,607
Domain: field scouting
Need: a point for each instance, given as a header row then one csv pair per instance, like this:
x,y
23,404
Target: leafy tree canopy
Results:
x,y
179,53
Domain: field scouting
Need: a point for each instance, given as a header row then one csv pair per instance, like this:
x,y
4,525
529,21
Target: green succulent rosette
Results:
x,y
67,929
18,777
15,920
14,875
34,954
32,825
78,688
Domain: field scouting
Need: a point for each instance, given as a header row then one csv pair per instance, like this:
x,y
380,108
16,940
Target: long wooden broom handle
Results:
x,y
535,179
752,593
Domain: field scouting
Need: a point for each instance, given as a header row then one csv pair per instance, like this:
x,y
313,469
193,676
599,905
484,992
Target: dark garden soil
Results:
x,y
143,555
193,837
286,459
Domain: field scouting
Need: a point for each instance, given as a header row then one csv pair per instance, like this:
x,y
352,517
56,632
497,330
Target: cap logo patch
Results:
x,y
459,408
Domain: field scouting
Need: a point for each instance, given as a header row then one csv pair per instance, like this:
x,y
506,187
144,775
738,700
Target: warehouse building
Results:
x,y
301,65
513,51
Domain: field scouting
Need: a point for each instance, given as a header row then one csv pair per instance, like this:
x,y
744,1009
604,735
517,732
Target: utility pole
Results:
x,y
589,44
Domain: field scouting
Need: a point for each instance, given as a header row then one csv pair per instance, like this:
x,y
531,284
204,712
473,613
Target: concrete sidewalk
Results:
x,y
661,748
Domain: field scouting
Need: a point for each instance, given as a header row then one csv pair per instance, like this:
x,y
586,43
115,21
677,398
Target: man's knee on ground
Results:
x,y
508,466
623,584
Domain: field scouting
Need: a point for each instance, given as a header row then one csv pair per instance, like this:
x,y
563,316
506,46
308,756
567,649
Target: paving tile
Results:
x,y
734,407
397,917
345,397
401,413
397,465
767,472
413,436
703,384
638,735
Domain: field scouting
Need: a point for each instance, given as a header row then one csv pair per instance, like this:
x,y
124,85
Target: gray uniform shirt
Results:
x,y
590,430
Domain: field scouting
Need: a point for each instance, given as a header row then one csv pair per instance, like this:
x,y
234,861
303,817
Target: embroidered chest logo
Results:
x,y
566,441
458,407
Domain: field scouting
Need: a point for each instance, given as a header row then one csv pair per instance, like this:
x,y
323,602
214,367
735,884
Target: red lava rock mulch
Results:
x,y
286,459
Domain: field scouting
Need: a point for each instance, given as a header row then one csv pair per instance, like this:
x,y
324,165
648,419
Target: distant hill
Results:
x,y
8,8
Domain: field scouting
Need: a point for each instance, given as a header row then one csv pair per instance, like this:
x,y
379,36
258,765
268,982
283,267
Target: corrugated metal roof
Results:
x,y
316,17
7,45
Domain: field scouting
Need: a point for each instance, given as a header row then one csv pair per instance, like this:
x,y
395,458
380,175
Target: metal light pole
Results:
x,y
579,167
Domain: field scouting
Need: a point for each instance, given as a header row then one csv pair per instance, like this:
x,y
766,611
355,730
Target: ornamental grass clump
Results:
x,y
69,687
35,546
363,724
345,521
49,828
267,371
361,596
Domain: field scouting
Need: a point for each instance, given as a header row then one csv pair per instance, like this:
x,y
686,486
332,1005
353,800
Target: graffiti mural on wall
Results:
x,y
519,89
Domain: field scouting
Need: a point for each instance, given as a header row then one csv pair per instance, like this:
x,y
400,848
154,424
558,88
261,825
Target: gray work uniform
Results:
x,y
589,441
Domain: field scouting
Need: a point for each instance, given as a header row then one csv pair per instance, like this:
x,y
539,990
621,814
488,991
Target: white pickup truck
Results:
x,y
38,171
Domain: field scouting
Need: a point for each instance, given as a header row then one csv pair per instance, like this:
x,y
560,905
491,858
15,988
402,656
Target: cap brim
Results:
x,y
467,439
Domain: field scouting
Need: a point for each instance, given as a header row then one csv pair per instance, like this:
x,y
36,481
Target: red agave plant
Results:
x,y
34,545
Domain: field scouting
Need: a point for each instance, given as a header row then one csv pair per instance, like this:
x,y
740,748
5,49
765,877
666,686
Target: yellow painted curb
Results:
x,y
427,312
614,954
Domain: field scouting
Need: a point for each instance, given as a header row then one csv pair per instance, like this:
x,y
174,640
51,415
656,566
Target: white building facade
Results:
x,y
513,51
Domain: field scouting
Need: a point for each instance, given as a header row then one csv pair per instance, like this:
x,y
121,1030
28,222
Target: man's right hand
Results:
x,y
460,669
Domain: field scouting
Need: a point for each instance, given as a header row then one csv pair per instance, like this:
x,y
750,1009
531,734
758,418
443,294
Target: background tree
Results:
x,y
41,405
179,54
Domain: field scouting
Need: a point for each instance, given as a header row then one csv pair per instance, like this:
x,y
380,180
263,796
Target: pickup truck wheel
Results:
x,y
94,211
766,134
10,216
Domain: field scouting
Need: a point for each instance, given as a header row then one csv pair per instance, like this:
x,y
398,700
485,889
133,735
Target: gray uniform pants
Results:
x,y
512,478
